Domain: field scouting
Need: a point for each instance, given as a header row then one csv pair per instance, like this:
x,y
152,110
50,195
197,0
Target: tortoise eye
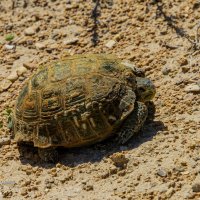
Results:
x,y
130,77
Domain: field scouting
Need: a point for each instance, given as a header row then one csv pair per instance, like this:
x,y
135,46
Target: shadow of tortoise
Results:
x,y
95,153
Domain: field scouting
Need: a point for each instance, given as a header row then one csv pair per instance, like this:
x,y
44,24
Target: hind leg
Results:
x,y
48,154
133,123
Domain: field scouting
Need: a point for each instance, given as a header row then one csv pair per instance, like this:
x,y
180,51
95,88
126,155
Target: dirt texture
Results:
x,y
161,37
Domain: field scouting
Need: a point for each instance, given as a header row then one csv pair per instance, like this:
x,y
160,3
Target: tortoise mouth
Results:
x,y
149,96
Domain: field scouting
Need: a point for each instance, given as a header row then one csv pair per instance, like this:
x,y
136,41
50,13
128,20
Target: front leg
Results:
x,y
133,123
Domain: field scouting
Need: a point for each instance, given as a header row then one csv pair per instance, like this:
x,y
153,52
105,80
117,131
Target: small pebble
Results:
x,y
5,84
9,46
179,169
46,190
70,41
24,192
13,76
192,88
166,70
118,37
29,65
183,61
113,170
21,78
40,46
21,70
30,31
110,44
119,159
162,173
4,141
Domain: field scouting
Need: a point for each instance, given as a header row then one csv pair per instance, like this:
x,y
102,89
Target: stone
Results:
x,y
196,187
119,160
21,78
46,190
53,46
9,46
192,88
113,170
4,141
21,70
72,40
29,65
183,61
24,192
5,84
179,169
40,45
110,44
30,31
166,70
162,173
13,76
117,37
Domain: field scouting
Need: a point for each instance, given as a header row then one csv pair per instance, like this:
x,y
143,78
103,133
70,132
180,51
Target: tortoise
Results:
x,y
81,100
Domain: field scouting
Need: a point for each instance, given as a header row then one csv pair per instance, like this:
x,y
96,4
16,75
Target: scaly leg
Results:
x,y
133,123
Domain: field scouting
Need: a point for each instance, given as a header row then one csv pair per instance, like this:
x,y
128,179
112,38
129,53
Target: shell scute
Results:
x,y
60,71
40,79
30,107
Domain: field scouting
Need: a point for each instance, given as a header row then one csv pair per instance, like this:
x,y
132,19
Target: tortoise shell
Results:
x,y
74,102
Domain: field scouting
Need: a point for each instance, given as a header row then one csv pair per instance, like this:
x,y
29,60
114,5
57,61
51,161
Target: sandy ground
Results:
x,y
161,37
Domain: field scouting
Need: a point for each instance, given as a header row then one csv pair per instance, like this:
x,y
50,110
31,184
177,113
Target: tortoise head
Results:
x,y
145,90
